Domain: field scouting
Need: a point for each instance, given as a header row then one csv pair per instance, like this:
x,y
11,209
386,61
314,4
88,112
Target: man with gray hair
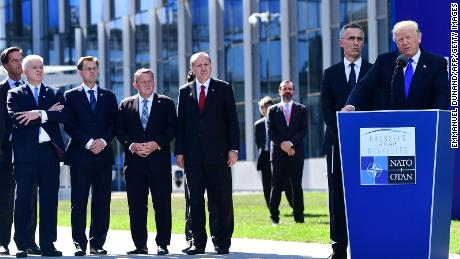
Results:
x,y
420,78
338,81
35,109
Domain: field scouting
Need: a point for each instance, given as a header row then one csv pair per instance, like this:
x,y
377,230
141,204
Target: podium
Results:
x,y
397,171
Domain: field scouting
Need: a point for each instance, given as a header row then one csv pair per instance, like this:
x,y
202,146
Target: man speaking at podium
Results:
x,y
420,78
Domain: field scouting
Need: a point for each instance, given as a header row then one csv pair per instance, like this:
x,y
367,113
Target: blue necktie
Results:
x,y
145,114
408,76
36,94
352,77
92,100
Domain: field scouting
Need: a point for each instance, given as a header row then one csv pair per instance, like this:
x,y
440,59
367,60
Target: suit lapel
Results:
x,y
84,99
153,109
419,73
29,96
135,110
99,100
280,111
209,95
192,93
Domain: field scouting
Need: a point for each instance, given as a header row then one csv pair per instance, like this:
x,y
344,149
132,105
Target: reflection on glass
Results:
x,y
141,42
115,55
18,16
96,10
200,26
91,46
120,8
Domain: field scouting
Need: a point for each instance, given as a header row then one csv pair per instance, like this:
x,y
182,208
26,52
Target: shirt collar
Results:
x,y
11,81
31,86
141,99
416,57
206,84
283,103
86,88
358,62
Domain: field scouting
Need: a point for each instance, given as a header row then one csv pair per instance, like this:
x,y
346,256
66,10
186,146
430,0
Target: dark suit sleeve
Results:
x,y
57,116
169,132
110,132
442,88
272,129
365,90
13,107
303,126
328,106
70,127
256,134
232,119
123,136
3,120
179,145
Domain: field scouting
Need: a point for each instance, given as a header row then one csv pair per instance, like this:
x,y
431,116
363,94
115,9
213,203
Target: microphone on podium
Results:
x,y
401,62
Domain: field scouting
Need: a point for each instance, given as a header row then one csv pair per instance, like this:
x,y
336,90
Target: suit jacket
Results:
x,y
5,123
429,88
279,131
25,137
334,94
261,138
161,128
208,137
84,124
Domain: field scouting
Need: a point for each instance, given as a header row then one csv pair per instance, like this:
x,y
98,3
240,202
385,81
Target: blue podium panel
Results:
x,y
397,175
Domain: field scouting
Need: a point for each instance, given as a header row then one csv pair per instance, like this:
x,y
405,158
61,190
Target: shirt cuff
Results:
x,y
105,143
290,143
236,151
90,142
44,117
130,146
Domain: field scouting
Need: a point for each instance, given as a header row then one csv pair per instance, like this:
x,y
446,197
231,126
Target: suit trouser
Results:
x,y
139,180
84,176
188,219
43,172
338,224
266,173
217,180
7,186
284,168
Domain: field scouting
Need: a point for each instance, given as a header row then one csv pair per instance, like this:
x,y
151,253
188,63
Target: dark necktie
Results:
x,y
17,83
202,99
92,100
352,77
408,76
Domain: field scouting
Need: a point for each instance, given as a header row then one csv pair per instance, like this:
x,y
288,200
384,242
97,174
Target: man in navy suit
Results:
x,y
37,150
422,84
338,81
91,112
287,125
11,60
263,161
207,145
146,124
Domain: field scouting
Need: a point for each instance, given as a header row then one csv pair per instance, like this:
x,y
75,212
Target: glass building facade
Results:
x,y
297,42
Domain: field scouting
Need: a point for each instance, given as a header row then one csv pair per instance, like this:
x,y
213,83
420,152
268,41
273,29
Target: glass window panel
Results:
x,y
141,42
120,8
146,4
96,9
115,55
91,44
200,25
74,13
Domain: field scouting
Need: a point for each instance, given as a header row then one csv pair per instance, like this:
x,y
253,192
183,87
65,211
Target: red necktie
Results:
x,y
202,99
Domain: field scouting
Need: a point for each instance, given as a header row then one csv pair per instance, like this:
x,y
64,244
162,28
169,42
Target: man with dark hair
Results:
x,y
287,125
338,81
35,110
11,59
91,112
146,124
263,145
207,146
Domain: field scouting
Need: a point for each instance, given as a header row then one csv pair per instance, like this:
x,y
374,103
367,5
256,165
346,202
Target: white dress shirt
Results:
x,y
198,88
95,89
415,59
43,136
347,63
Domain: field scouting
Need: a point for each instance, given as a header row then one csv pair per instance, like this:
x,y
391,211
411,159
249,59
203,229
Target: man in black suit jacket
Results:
x,y
338,81
422,84
207,145
37,150
11,60
91,112
146,124
287,126
263,161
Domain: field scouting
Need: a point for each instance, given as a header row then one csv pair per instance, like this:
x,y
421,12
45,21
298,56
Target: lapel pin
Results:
x,y
159,101
212,90
424,66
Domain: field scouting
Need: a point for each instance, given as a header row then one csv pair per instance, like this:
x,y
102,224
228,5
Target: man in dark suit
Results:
x,y
11,60
91,112
146,124
263,161
37,150
287,125
422,84
338,81
207,145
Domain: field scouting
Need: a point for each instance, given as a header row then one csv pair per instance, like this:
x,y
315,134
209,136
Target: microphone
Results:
x,y
401,62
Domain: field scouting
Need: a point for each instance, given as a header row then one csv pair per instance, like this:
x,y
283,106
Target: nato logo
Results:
x,y
387,156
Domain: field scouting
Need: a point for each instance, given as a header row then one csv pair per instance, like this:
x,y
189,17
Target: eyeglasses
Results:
x,y
89,69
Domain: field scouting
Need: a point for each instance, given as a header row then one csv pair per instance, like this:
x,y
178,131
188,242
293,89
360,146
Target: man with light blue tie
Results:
x,y
36,111
91,112
421,84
